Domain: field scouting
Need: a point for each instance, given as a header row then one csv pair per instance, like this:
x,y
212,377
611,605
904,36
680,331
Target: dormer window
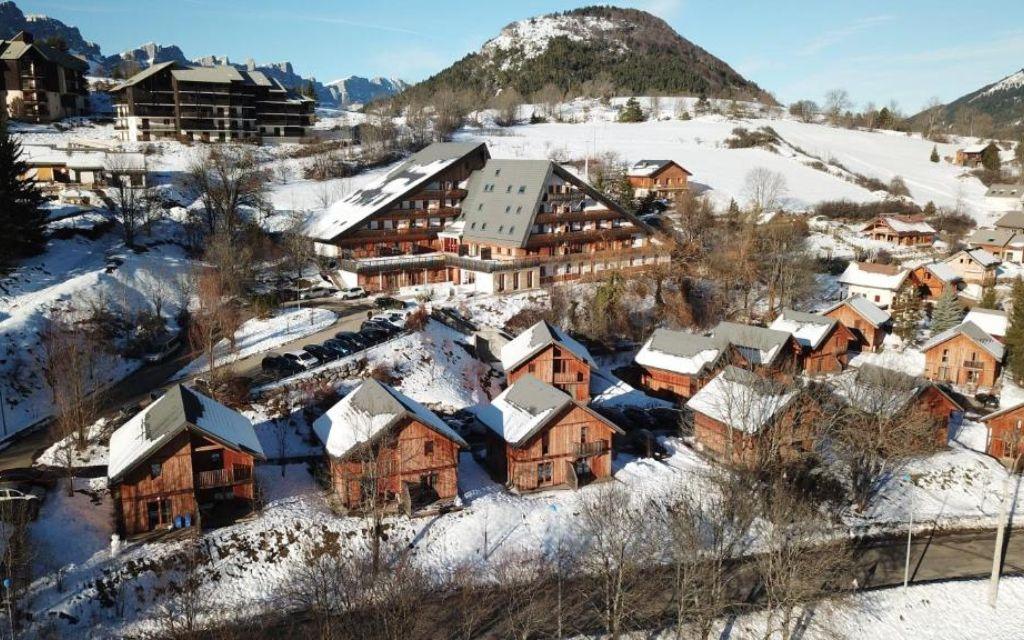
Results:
x,y
522,188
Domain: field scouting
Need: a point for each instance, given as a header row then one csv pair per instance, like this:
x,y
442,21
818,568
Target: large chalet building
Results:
x,y
868,323
184,458
452,214
660,179
41,84
965,356
905,231
209,104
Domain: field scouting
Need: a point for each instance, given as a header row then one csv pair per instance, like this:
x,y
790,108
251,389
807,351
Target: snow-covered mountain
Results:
x,y
1003,100
143,56
13,20
594,49
358,90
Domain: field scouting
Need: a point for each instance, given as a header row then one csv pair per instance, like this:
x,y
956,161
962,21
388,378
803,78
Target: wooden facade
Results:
x,y
574,448
667,182
973,270
962,362
412,461
867,336
1006,435
832,355
678,387
934,402
882,229
559,367
929,285
789,437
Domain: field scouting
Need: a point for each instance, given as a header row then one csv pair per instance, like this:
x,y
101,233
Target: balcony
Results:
x,y
556,237
974,364
587,449
576,216
223,477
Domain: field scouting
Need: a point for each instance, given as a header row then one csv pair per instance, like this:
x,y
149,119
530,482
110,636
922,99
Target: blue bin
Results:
x,y
188,520
177,522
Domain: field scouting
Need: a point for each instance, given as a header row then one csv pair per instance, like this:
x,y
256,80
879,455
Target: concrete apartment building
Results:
x,y
41,84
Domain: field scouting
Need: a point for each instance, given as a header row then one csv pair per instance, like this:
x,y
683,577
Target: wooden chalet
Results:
x,y
745,419
964,356
384,448
550,355
994,322
759,349
1005,243
867,322
975,266
933,278
971,156
185,457
676,364
539,437
905,231
824,341
1005,440
662,179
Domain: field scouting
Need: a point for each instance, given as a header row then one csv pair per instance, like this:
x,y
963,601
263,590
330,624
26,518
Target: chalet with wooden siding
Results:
x,y
1004,243
971,156
662,179
382,445
964,356
550,355
890,394
677,364
933,278
759,349
994,322
824,341
41,84
742,418
975,266
184,457
1006,435
905,231
540,437
876,282
867,322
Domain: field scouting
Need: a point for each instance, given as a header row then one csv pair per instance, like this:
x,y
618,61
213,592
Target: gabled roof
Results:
x,y
757,344
537,338
370,411
179,409
1000,190
1000,412
881,391
902,224
992,321
874,276
1011,220
221,74
741,400
147,73
381,194
942,271
502,199
649,168
972,331
679,351
809,329
529,405
16,47
980,256
865,309
997,237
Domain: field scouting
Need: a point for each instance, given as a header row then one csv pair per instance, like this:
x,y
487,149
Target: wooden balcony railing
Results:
x,y
587,449
974,364
222,477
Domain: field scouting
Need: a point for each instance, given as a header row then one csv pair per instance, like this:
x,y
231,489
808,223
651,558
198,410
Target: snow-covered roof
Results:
x,y
1009,409
903,224
741,400
370,411
86,160
874,276
679,351
384,192
881,391
942,271
982,257
538,337
992,321
972,331
757,344
999,190
997,237
1011,220
975,148
647,168
174,412
809,329
522,410
865,308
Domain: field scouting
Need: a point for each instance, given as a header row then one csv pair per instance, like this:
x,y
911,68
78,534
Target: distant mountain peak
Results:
x,y
1002,100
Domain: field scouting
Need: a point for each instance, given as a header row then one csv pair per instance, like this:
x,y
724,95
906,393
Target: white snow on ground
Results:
x,y
909,361
261,334
94,454
70,530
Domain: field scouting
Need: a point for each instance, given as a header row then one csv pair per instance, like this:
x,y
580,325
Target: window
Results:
x,y
511,229
945,355
583,435
428,448
472,225
508,189
544,473
497,172
480,207
558,366
508,209
545,443
155,470
532,368
522,188
501,228
519,209
428,479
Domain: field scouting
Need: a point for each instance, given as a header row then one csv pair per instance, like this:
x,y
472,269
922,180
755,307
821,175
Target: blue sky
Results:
x,y
907,50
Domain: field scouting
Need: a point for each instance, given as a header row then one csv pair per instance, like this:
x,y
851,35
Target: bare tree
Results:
x,y
212,318
837,103
228,179
507,104
764,189
806,110
132,202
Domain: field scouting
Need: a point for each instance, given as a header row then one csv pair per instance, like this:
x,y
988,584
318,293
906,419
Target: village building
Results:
x,y
185,459
975,266
170,100
55,168
934,278
385,449
868,323
890,394
1005,243
450,214
1005,197
994,322
879,283
902,230
1005,439
759,349
539,437
740,417
661,179
970,156
1013,220
676,364
824,341
964,356
552,356
41,84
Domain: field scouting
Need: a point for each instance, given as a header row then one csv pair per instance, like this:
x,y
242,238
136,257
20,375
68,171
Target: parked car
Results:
x,y
322,353
316,292
303,359
352,293
17,498
373,335
31,476
339,347
353,339
397,318
164,350
380,325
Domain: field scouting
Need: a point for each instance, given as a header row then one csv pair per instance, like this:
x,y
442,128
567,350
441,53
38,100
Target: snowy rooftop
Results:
x,y
865,308
1011,220
369,411
532,341
972,331
997,237
982,257
647,168
942,271
757,344
523,409
170,415
679,352
741,400
992,321
906,224
998,190
875,276
880,391
809,329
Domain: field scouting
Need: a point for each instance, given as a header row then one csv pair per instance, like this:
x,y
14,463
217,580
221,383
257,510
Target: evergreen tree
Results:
x,y
990,157
703,105
906,313
948,311
989,299
935,153
631,112
1015,333
929,209
21,220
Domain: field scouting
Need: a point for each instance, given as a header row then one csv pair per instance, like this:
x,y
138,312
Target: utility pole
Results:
x,y
1004,516
910,533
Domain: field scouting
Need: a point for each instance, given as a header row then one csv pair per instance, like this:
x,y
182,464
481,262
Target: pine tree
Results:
x,y
906,313
948,312
990,157
1015,333
935,153
631,112
22,222
989,300
929,209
